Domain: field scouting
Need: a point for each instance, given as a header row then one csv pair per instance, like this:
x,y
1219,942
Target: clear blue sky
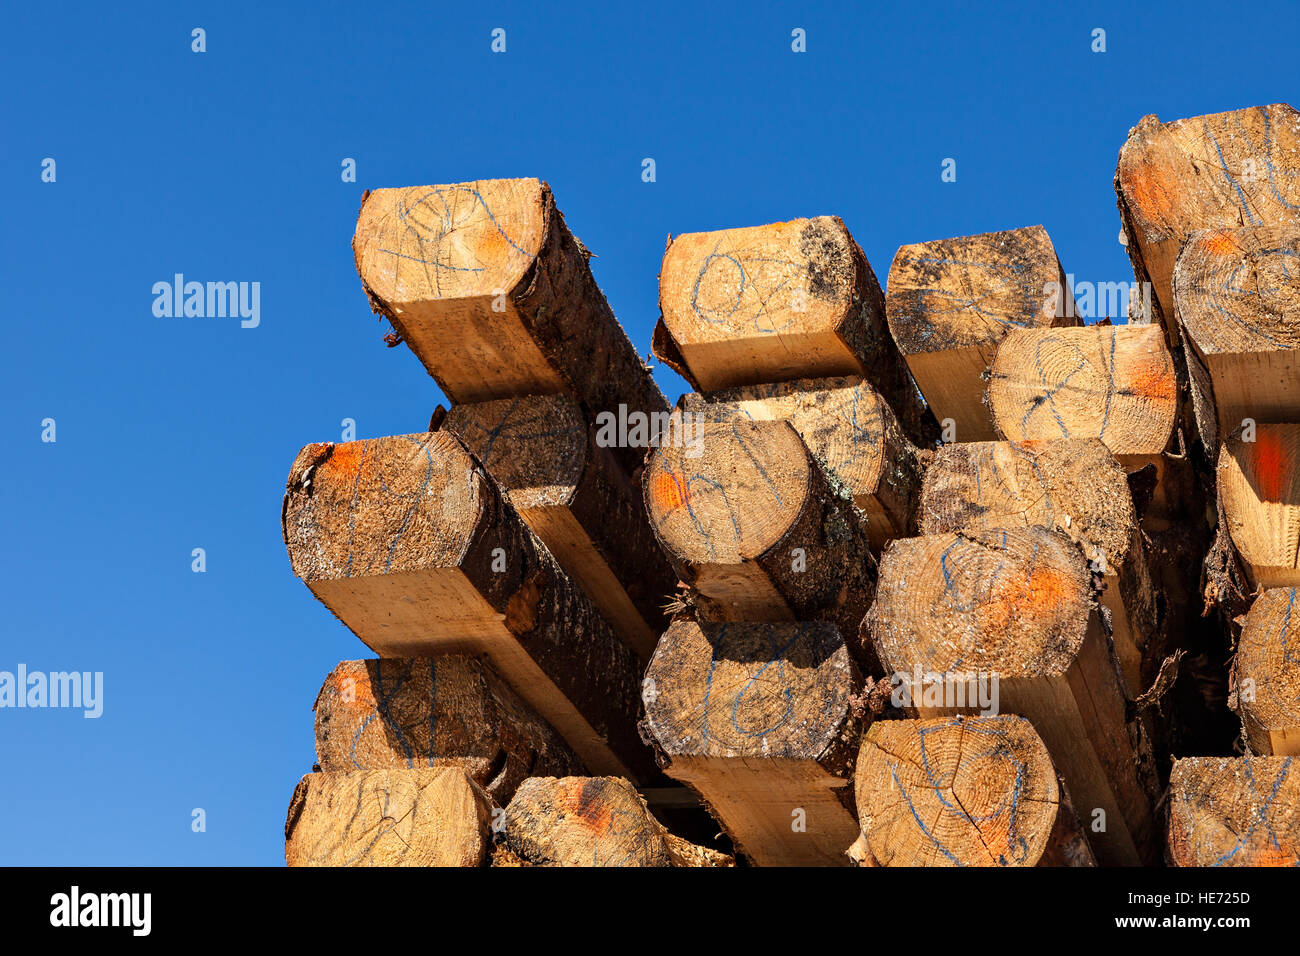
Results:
x,y
177,433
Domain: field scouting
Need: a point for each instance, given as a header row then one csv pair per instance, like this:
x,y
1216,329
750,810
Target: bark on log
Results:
x,y
964,791
851,432
952,301
758,720
561,475
410,545
784,301
447,711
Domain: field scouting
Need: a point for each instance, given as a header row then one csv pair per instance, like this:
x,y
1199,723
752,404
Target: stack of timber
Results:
x,y
500,566
942,577
951,302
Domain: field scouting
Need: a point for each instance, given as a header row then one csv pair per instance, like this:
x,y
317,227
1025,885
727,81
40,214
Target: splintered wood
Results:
x,y
952,301
572,493
448,711
848,428
964,791
1074,486
779,302
429,816
758,720
1003,618
1234,811
410,545
755,528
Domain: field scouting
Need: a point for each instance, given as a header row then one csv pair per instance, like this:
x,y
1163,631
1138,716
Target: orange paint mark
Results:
x,y
1033,599
1270,855
345,463
586,808
1272,470
1146,192
667,493
1220,244
1151,379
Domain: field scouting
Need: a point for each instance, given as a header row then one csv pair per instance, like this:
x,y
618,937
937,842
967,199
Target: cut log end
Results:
x,y
1259,488
956,791
1267,674
1234,811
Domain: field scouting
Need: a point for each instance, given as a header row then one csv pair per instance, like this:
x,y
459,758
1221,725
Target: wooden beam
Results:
x,y
952,301
1266,674
591,821
1259,489
1234,811
427,816
1015,605
758,720
751,523
849,429
1113,383
964,791
1218,171
490,290
779,302
570,489
1074,486
447,711
1237,296
409,543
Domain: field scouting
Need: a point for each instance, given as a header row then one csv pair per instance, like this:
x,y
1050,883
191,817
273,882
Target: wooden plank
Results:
x,y
1266,674
1219,171
964,791
848,428
1113,383
409,543
573,494
950,302
784,301
756,530
1016,605
1234,811
426,816
446,711
757,719
487,286
1259,489
1237,297
1074,486
591,821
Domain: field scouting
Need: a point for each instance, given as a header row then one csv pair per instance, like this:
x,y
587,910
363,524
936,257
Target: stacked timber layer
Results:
x,y
909,579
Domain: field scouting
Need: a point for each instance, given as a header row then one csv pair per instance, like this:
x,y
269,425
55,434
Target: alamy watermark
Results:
x,y
1100,300
64,689
638,429
965,690
208,300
